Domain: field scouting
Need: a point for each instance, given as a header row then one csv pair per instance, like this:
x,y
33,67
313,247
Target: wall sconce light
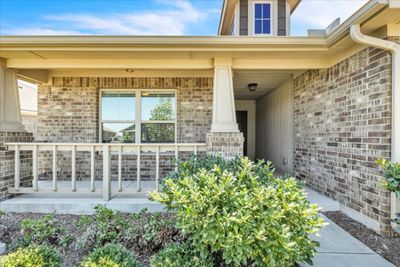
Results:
x,y
252,87
130,70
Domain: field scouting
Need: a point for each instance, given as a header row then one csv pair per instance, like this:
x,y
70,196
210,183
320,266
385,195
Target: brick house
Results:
x,y
114,112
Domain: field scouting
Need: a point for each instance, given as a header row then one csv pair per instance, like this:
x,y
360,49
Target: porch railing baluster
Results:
x,y
157,166
73,168
92,185
17,177
54,168
138,169
120,169
176,158
106,173
53,185
35,168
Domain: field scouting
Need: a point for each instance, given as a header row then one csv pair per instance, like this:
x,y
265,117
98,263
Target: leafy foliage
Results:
x,y
189,168
391,173
163,111
140,232
32,256
179,255
151,232
105,226
44,231
111,255
239,210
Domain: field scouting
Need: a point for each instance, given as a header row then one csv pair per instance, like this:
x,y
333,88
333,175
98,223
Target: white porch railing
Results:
x,y
107,150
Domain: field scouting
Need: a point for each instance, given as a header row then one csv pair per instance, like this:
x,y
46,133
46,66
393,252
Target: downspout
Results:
x,y
394,48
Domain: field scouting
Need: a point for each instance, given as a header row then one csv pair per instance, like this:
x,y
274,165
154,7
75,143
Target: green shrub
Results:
x,y
110,255
264,170
243,213
44,231
391,173
181,255
32,256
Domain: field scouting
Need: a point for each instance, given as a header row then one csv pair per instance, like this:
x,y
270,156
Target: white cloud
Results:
x,y
318,14
38,31
175,19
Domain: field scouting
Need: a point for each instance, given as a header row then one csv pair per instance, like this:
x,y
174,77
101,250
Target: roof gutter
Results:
x,y
222,17
394,48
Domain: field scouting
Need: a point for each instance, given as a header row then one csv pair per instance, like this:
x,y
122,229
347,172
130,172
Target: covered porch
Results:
x,y
101,125
88,145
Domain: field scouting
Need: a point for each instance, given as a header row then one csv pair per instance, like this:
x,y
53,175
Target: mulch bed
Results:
x,y
10,233
387,247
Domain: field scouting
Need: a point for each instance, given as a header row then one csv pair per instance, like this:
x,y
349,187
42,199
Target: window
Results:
x,y
122,122
118,120
158,117
262,18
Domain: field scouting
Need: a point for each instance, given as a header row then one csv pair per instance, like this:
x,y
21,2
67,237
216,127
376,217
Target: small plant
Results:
x,y
32,256
110,255
44,231
181,255
151,231
391,173
241,212
105,226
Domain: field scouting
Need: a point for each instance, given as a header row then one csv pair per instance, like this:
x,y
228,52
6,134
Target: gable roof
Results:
x,y
228,9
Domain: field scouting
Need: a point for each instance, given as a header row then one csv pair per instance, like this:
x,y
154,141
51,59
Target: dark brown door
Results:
x,y
241,118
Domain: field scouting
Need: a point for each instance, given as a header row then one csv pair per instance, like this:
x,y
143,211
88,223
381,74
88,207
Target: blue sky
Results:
x,y
145,17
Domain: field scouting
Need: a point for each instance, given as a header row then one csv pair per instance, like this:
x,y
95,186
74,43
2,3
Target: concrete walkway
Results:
x,y
337,247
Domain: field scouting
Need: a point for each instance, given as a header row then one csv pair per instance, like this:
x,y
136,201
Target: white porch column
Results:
x,y
11,130
224,138
10,112
223,116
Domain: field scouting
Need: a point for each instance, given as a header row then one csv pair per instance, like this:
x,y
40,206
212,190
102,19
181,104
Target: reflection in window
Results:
x,y
158,117
262,18
118,133
158,132
118,117
158,106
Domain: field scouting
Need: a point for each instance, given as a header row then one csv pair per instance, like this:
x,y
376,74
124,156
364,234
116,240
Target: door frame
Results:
x,y
250,107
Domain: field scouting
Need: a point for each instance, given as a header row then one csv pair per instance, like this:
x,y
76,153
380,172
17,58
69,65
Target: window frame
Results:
x,y
271,19
138,112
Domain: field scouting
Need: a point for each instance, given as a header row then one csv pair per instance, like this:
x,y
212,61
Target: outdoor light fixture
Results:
x,y
130,70
252,87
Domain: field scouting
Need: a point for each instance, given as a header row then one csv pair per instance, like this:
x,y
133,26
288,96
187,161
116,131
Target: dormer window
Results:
x,y
262,18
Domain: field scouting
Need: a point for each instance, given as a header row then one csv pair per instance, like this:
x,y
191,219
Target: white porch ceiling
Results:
x,y
267,80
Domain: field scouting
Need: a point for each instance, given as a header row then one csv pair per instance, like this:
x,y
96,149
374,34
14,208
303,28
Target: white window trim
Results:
x,y
272,17
138,121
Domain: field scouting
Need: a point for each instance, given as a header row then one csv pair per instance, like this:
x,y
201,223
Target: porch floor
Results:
x,y
83,203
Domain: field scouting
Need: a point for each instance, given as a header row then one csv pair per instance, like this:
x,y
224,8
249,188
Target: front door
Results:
x,y
241,119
